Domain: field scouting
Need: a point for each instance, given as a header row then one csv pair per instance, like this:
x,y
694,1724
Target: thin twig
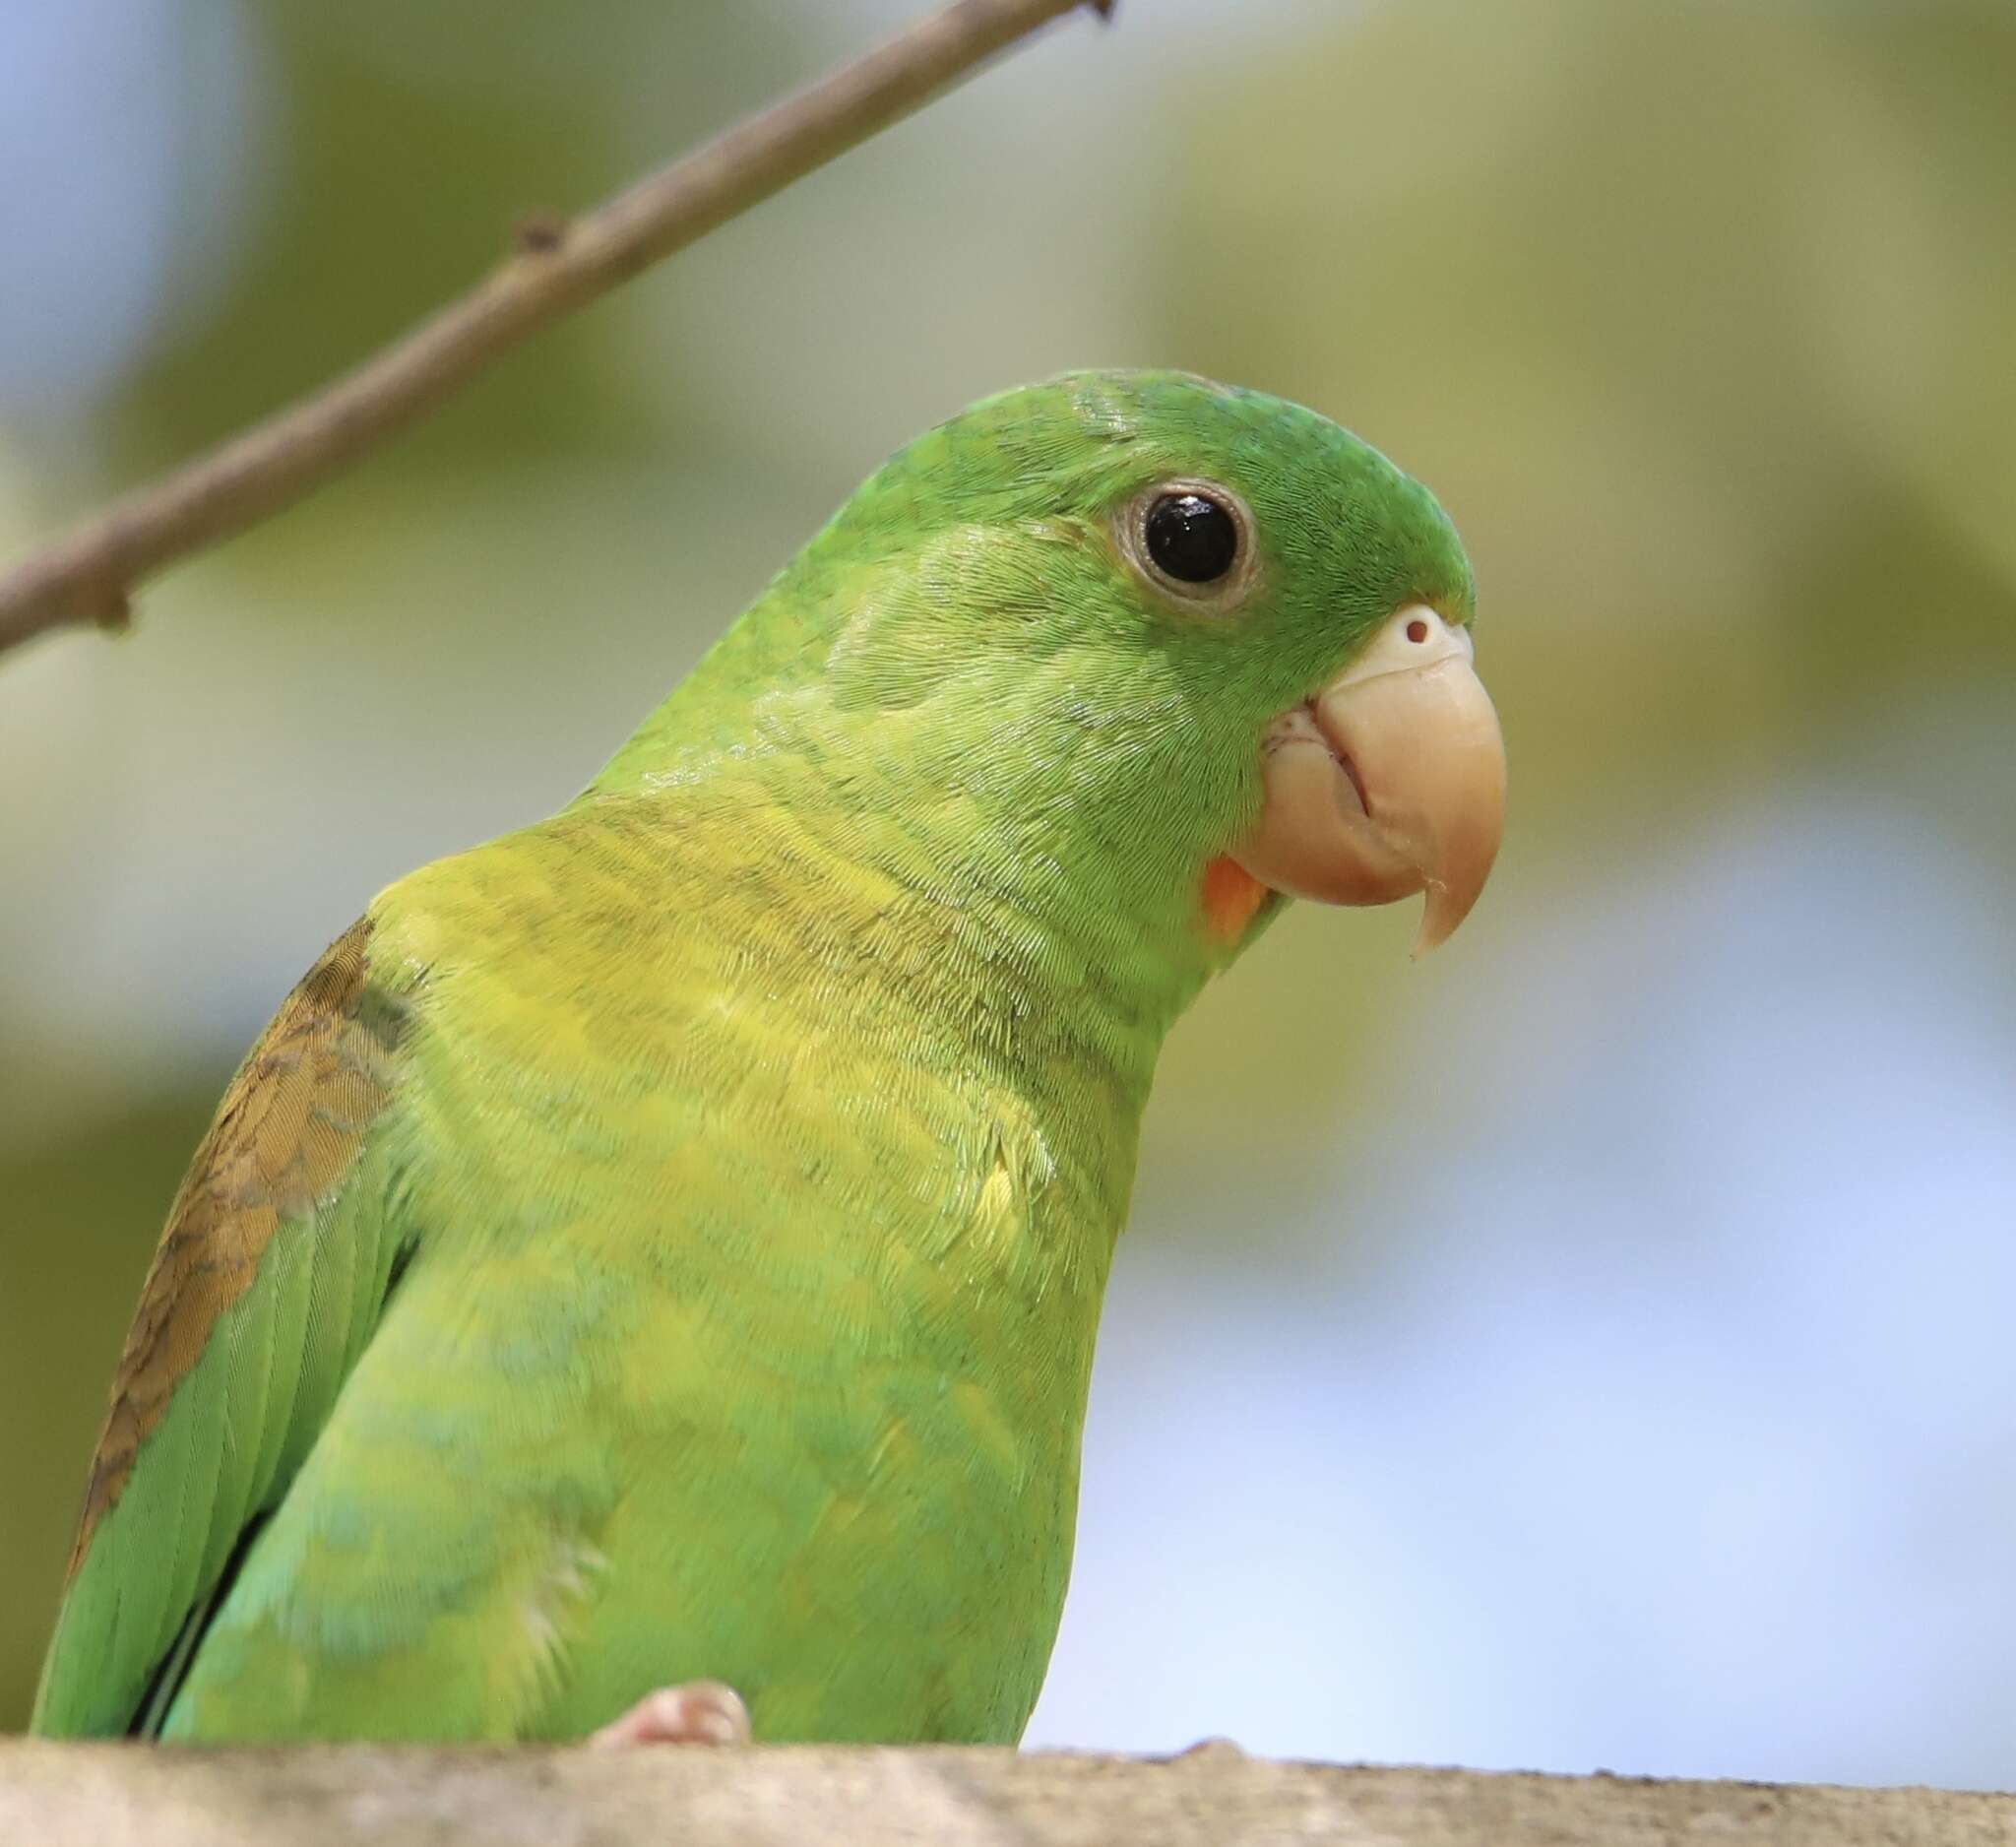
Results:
x,y
559,265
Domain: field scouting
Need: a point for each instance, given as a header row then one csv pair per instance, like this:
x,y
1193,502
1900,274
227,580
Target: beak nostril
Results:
x,y
1417,630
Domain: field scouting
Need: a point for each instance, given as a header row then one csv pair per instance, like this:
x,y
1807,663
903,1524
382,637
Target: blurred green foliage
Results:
x,y
1697,318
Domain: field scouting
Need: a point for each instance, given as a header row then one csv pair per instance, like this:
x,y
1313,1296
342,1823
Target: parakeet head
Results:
x,y
1153,643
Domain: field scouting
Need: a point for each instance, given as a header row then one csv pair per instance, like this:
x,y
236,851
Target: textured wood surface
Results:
x,y
109,1796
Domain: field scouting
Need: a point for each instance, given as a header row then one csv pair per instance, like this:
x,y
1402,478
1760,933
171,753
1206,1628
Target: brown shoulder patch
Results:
x,y
284,1136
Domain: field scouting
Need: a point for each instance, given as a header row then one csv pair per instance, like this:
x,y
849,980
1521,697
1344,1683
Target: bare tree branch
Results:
x,y
559,266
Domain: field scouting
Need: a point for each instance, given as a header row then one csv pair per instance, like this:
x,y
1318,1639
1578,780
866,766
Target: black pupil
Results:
x,y
1192,538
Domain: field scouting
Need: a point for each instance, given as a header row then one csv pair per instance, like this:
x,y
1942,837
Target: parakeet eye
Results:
x,y
1191,536
1193,540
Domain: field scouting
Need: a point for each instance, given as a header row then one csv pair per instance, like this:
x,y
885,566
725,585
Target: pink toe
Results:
x,y
700,1712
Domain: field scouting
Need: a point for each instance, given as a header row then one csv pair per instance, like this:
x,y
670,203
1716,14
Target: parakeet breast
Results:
x,y
773,1269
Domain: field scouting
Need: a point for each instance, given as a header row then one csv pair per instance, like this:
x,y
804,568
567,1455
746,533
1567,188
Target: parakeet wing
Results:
x,y
277,1257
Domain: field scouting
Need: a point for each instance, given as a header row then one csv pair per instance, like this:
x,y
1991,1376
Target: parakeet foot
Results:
x,y
700,1712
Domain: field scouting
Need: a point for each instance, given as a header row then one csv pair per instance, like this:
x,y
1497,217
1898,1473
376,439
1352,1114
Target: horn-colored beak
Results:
x,y
1390,781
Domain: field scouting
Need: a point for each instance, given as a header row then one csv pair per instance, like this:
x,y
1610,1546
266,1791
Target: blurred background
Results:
x,y
1589,1348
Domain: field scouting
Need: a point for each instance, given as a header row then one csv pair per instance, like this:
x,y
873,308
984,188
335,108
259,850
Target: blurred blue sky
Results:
x,y
131,138
1535,1491
1586,1349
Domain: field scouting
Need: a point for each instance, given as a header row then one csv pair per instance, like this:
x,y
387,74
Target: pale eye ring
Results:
x,y
1192,540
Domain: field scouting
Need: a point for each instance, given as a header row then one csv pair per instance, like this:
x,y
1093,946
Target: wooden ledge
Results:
x,y
111,1795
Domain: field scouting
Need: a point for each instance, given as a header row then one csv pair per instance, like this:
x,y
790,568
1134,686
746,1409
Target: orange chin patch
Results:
x,y
1232,896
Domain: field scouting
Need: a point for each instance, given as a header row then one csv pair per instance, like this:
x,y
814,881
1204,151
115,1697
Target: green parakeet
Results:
x,y
664,1245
